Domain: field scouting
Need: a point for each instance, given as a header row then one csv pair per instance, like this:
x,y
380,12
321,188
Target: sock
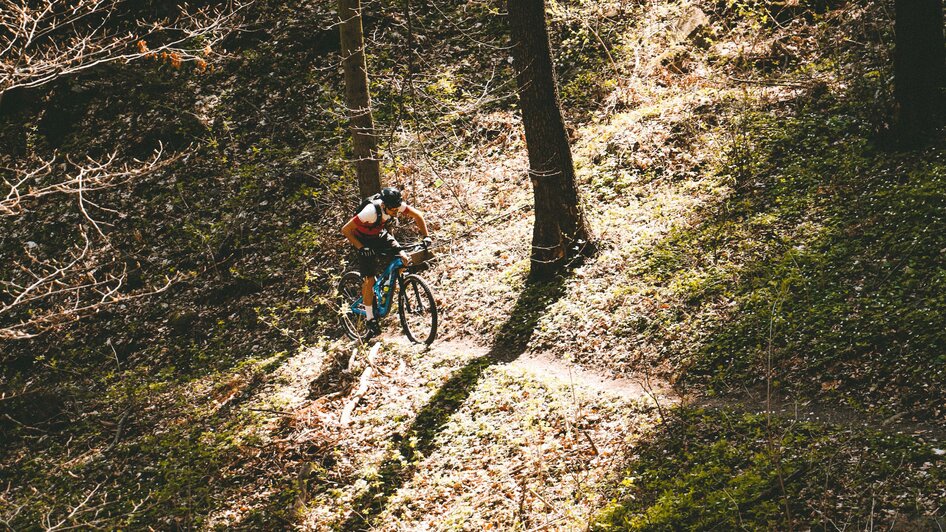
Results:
x,y
369,312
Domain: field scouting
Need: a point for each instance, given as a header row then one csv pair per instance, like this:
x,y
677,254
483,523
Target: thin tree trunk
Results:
x,y
357,97
919,67
559,233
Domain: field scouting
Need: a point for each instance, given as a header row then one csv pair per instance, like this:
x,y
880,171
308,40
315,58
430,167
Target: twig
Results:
x,y
363,384
70,312
649,390
5,397
270,411
41,44
118,431
772,83
607,50
593,446
776,451
75,510
541,498
59,290
546,524
25,426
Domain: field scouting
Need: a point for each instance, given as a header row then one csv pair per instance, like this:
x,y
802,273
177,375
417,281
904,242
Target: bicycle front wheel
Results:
x,y
349,291
417,310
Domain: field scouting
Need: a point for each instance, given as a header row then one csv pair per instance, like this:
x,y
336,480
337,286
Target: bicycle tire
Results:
x,y
349,290
420,305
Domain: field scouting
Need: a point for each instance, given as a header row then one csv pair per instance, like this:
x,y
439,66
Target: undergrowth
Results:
x,y
731,162
828,252
713,469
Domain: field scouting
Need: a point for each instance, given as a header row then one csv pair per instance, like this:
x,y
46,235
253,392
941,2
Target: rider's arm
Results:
x,y
349,231
418,218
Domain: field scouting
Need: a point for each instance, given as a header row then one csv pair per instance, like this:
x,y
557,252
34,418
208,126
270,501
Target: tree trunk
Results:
x,y
919,67
357,97
559,233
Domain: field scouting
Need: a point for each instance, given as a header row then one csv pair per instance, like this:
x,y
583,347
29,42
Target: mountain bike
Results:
x,y
417,308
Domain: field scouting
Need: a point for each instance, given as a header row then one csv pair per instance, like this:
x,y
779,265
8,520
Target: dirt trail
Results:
x,y
633,389
547,365
488,439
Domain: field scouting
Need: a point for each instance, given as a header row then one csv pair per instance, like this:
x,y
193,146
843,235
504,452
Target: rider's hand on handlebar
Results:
x,y
426,242
366,252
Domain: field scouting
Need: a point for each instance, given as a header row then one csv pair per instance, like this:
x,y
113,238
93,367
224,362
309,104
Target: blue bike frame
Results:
x,y
384,299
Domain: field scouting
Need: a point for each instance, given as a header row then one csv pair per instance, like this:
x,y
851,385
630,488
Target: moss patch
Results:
x,y
717,469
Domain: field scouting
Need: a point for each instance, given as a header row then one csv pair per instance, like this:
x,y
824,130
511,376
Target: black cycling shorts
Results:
x,y
384,246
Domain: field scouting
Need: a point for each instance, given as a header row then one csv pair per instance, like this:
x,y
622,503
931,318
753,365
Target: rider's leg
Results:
x,y
367,294
367,267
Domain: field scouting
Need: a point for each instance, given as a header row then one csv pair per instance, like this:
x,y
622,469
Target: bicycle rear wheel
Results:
x,y
417,310
349,291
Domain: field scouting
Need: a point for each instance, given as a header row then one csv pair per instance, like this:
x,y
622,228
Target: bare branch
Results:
x,y
48,525
44,40
90,513
27,184
45,293
62,37
65,303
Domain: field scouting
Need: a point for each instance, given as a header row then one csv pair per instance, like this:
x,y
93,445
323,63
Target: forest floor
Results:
x,y
458,436
514,443
754,232
461,437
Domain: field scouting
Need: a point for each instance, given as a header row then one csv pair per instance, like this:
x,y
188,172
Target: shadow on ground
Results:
x,y
726,469
418,440
827,256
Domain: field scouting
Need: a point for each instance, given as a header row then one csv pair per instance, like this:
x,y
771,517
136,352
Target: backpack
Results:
x,y
376,201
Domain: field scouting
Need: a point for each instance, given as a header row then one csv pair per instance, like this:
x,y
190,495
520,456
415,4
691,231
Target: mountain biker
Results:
x,y
367,231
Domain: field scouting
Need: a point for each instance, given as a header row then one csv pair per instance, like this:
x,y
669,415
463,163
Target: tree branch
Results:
x,y
61,38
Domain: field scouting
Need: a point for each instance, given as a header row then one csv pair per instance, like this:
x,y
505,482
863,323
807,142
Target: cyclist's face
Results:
x,y
391,211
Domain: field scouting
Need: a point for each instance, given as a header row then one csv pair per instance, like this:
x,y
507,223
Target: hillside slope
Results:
x,y
756,232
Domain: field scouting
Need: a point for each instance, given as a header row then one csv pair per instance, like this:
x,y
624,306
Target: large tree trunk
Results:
x,y
559,233
357,97
919,67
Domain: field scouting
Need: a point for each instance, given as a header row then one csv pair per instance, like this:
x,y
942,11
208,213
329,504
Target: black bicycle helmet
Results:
x,y
391,197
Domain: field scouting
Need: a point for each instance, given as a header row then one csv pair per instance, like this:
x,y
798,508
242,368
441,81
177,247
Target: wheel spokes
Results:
x,y
349,292
416,312
419,308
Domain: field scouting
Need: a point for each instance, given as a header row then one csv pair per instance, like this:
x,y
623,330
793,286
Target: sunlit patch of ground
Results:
x,y
525,449
403,379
